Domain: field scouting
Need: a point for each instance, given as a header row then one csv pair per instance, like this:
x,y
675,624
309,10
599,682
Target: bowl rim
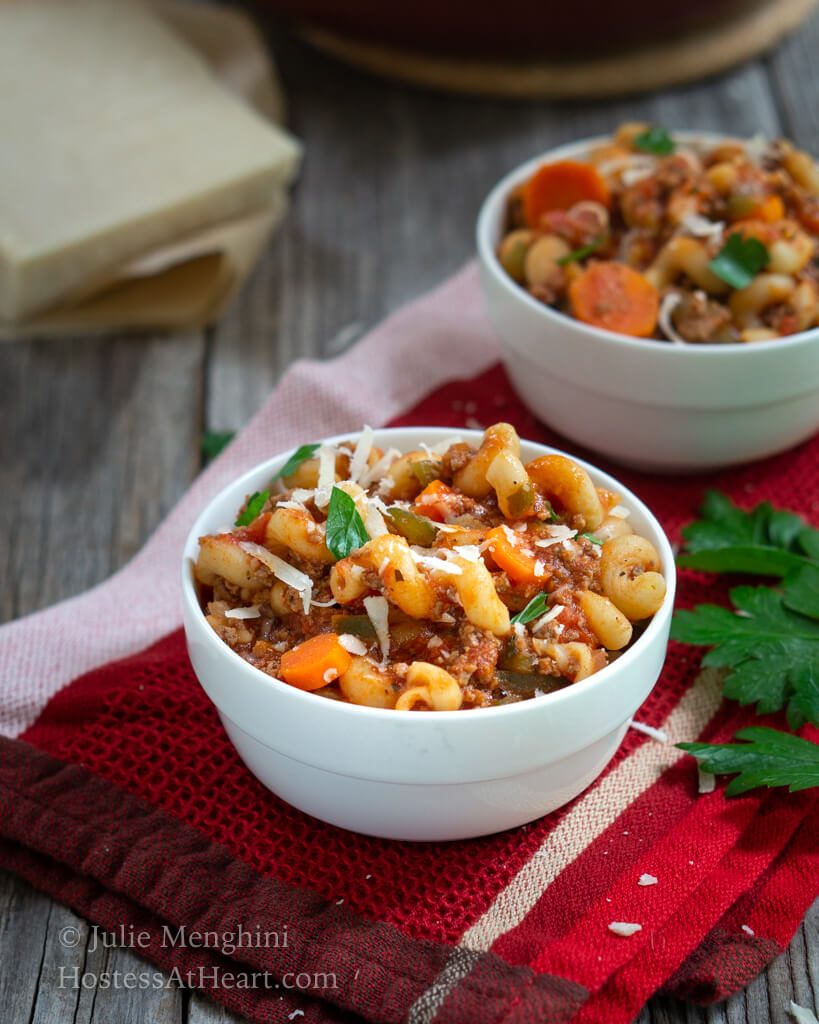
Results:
x,y
486,247
242,484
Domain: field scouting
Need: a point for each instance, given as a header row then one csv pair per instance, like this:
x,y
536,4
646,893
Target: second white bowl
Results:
x,y
645,403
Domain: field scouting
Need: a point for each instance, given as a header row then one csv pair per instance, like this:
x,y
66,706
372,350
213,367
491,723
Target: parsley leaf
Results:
x,y
656,141
576,255
766,646
345,530
768,758
739,260
767,541
214,441
299,455
533,610
594,540
253,506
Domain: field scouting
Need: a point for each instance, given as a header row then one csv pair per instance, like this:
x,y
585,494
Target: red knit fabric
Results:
x,y
144,727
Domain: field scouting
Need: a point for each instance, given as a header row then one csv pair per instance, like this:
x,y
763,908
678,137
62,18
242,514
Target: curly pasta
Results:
x,y
655,243
478,588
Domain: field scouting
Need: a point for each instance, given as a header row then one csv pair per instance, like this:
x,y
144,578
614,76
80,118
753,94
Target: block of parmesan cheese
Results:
x,y
115,138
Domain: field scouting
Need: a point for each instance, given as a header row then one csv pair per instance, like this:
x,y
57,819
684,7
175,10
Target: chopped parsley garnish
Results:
x,y
739,260
345,530
768,645
576,255
300,455
254,505
214,441
592,539
533,610
656,141
768,758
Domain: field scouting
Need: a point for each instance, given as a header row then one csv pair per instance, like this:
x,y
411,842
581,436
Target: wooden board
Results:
x,y
680,59
100,436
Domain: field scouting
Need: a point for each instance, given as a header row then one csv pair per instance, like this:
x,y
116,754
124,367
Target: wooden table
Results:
x,y
101,436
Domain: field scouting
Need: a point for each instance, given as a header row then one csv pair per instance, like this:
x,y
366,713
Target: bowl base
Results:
x,y
424,813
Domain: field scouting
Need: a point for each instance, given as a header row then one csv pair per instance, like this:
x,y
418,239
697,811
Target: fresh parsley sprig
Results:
x,y
768,646
656,141
533,610
739,260
253,506
344,530
768,758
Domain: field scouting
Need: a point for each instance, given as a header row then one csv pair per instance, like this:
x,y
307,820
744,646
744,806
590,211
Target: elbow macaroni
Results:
x,y
420,617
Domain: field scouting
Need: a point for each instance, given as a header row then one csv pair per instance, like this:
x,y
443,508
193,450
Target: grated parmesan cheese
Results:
x,y
436,564
302,494
326,476
648,730
632,175
378,469
282,570
441,447
646,880
619,512
352,644
664,318
633,161
624,928
701,227
252,612
358,463
297,505
379,612
373,520
706,782
434,641
323,604
552,614
330,675
469,552
801,1014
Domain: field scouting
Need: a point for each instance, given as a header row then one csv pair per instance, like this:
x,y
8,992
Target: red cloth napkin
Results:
x,y
121,795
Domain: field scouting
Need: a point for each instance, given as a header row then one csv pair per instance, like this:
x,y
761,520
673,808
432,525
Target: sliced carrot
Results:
x,y
434,500
315,663
559,186
518,564
615,297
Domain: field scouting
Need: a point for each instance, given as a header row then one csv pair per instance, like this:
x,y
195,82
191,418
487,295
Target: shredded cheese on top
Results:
x,y
358,463
326,477
252,612
664,318
544,620
352,644
378,610
625,928
378,469
701,227
283,571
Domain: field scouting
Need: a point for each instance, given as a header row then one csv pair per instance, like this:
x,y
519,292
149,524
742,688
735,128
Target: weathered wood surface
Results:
x,y
100,436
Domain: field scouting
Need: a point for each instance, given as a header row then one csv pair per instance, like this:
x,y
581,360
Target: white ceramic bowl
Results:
x,y
422,775
647,404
